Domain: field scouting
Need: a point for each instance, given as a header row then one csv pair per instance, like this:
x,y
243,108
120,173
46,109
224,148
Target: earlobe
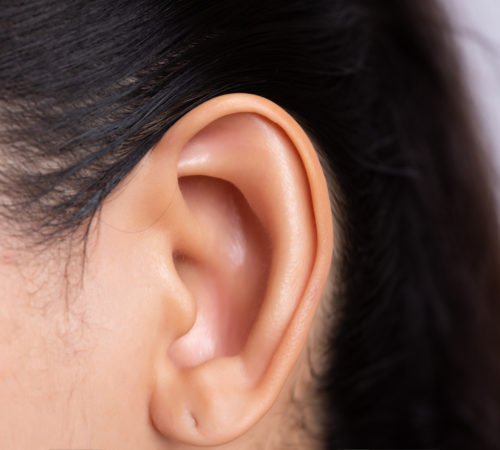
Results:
x,y
236,192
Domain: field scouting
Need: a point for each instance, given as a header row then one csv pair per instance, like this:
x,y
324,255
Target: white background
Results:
x,y
477,29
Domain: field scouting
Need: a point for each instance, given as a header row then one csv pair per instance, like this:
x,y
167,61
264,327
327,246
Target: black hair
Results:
x,y
88,87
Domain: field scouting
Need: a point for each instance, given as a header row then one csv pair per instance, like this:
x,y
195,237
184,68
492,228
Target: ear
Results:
x,y
234,203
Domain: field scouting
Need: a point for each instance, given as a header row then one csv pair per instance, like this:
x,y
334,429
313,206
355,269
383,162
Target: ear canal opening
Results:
x,y
229,282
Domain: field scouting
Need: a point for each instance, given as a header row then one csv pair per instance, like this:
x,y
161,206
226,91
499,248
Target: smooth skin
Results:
x,y
204,270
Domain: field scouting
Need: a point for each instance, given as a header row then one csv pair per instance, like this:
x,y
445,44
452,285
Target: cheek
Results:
x,y
78,376
123,319
40,368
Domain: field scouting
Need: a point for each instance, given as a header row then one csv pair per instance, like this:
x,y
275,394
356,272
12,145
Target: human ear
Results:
x,y
233,207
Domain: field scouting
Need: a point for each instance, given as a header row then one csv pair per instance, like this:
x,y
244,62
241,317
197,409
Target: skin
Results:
x,y
187,328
